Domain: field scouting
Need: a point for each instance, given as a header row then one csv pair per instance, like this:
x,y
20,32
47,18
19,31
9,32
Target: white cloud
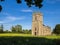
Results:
x,y
15,18
11,19
27,10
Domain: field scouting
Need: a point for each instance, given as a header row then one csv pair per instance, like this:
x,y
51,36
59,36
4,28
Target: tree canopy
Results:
x,y
30,3
1,28
57,29
17,28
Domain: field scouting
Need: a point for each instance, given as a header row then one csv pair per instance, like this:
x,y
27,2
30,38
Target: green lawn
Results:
x,y
14,34
28,39
28,35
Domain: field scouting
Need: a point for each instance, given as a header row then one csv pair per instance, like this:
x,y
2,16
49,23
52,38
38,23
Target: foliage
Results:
x,y
17,28
0,5
7,31
26,31
0,8
1,28
13,29
57,29
37,3
1,0
18,1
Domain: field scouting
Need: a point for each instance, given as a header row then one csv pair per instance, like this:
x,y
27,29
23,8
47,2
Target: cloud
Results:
x,y
15,18
27,10
11,19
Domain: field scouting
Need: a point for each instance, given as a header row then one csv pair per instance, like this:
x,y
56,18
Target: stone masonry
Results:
x,y
38,29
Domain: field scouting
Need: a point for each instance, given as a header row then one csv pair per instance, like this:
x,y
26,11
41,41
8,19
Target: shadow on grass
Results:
x,y
28,41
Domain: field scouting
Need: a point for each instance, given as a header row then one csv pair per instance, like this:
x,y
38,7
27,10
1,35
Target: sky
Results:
x,y
13,14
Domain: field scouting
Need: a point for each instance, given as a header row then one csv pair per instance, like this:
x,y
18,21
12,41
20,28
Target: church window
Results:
x,y
35,33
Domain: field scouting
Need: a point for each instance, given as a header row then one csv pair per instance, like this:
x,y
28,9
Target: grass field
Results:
x,y
28,39
14,34
28,35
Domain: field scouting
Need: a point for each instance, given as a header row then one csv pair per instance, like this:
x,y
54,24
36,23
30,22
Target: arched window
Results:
x,y
35,18
35,33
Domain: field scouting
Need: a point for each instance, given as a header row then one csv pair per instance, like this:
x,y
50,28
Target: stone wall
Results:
x,y
37,26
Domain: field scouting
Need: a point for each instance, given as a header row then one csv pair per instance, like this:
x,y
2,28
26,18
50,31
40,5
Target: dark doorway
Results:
x,y
35,33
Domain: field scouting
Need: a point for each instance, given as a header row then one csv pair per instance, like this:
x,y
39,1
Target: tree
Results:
x,y
13,29
18,28
0,8
0,5
26,31
7,31
30,31
1,0
30,3
1,28
56,30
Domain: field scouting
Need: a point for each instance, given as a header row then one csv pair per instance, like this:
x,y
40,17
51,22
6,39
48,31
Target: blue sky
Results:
x,y
13,13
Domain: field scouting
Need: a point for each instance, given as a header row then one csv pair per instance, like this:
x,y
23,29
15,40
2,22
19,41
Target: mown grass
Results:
x,y
14,34
28,35
28,39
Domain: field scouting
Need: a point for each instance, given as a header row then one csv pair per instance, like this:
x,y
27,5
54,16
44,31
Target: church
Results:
x,y
38,28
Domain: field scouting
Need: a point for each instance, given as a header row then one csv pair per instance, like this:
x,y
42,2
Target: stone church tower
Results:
x,y
37,25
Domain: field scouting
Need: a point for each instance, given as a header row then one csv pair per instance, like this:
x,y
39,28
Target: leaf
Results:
x,y
0,8
18,1
2,0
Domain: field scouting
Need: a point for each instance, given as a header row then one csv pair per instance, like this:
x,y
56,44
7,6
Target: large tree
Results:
x,y
17,28
56,30
37,3
1,28
13,29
